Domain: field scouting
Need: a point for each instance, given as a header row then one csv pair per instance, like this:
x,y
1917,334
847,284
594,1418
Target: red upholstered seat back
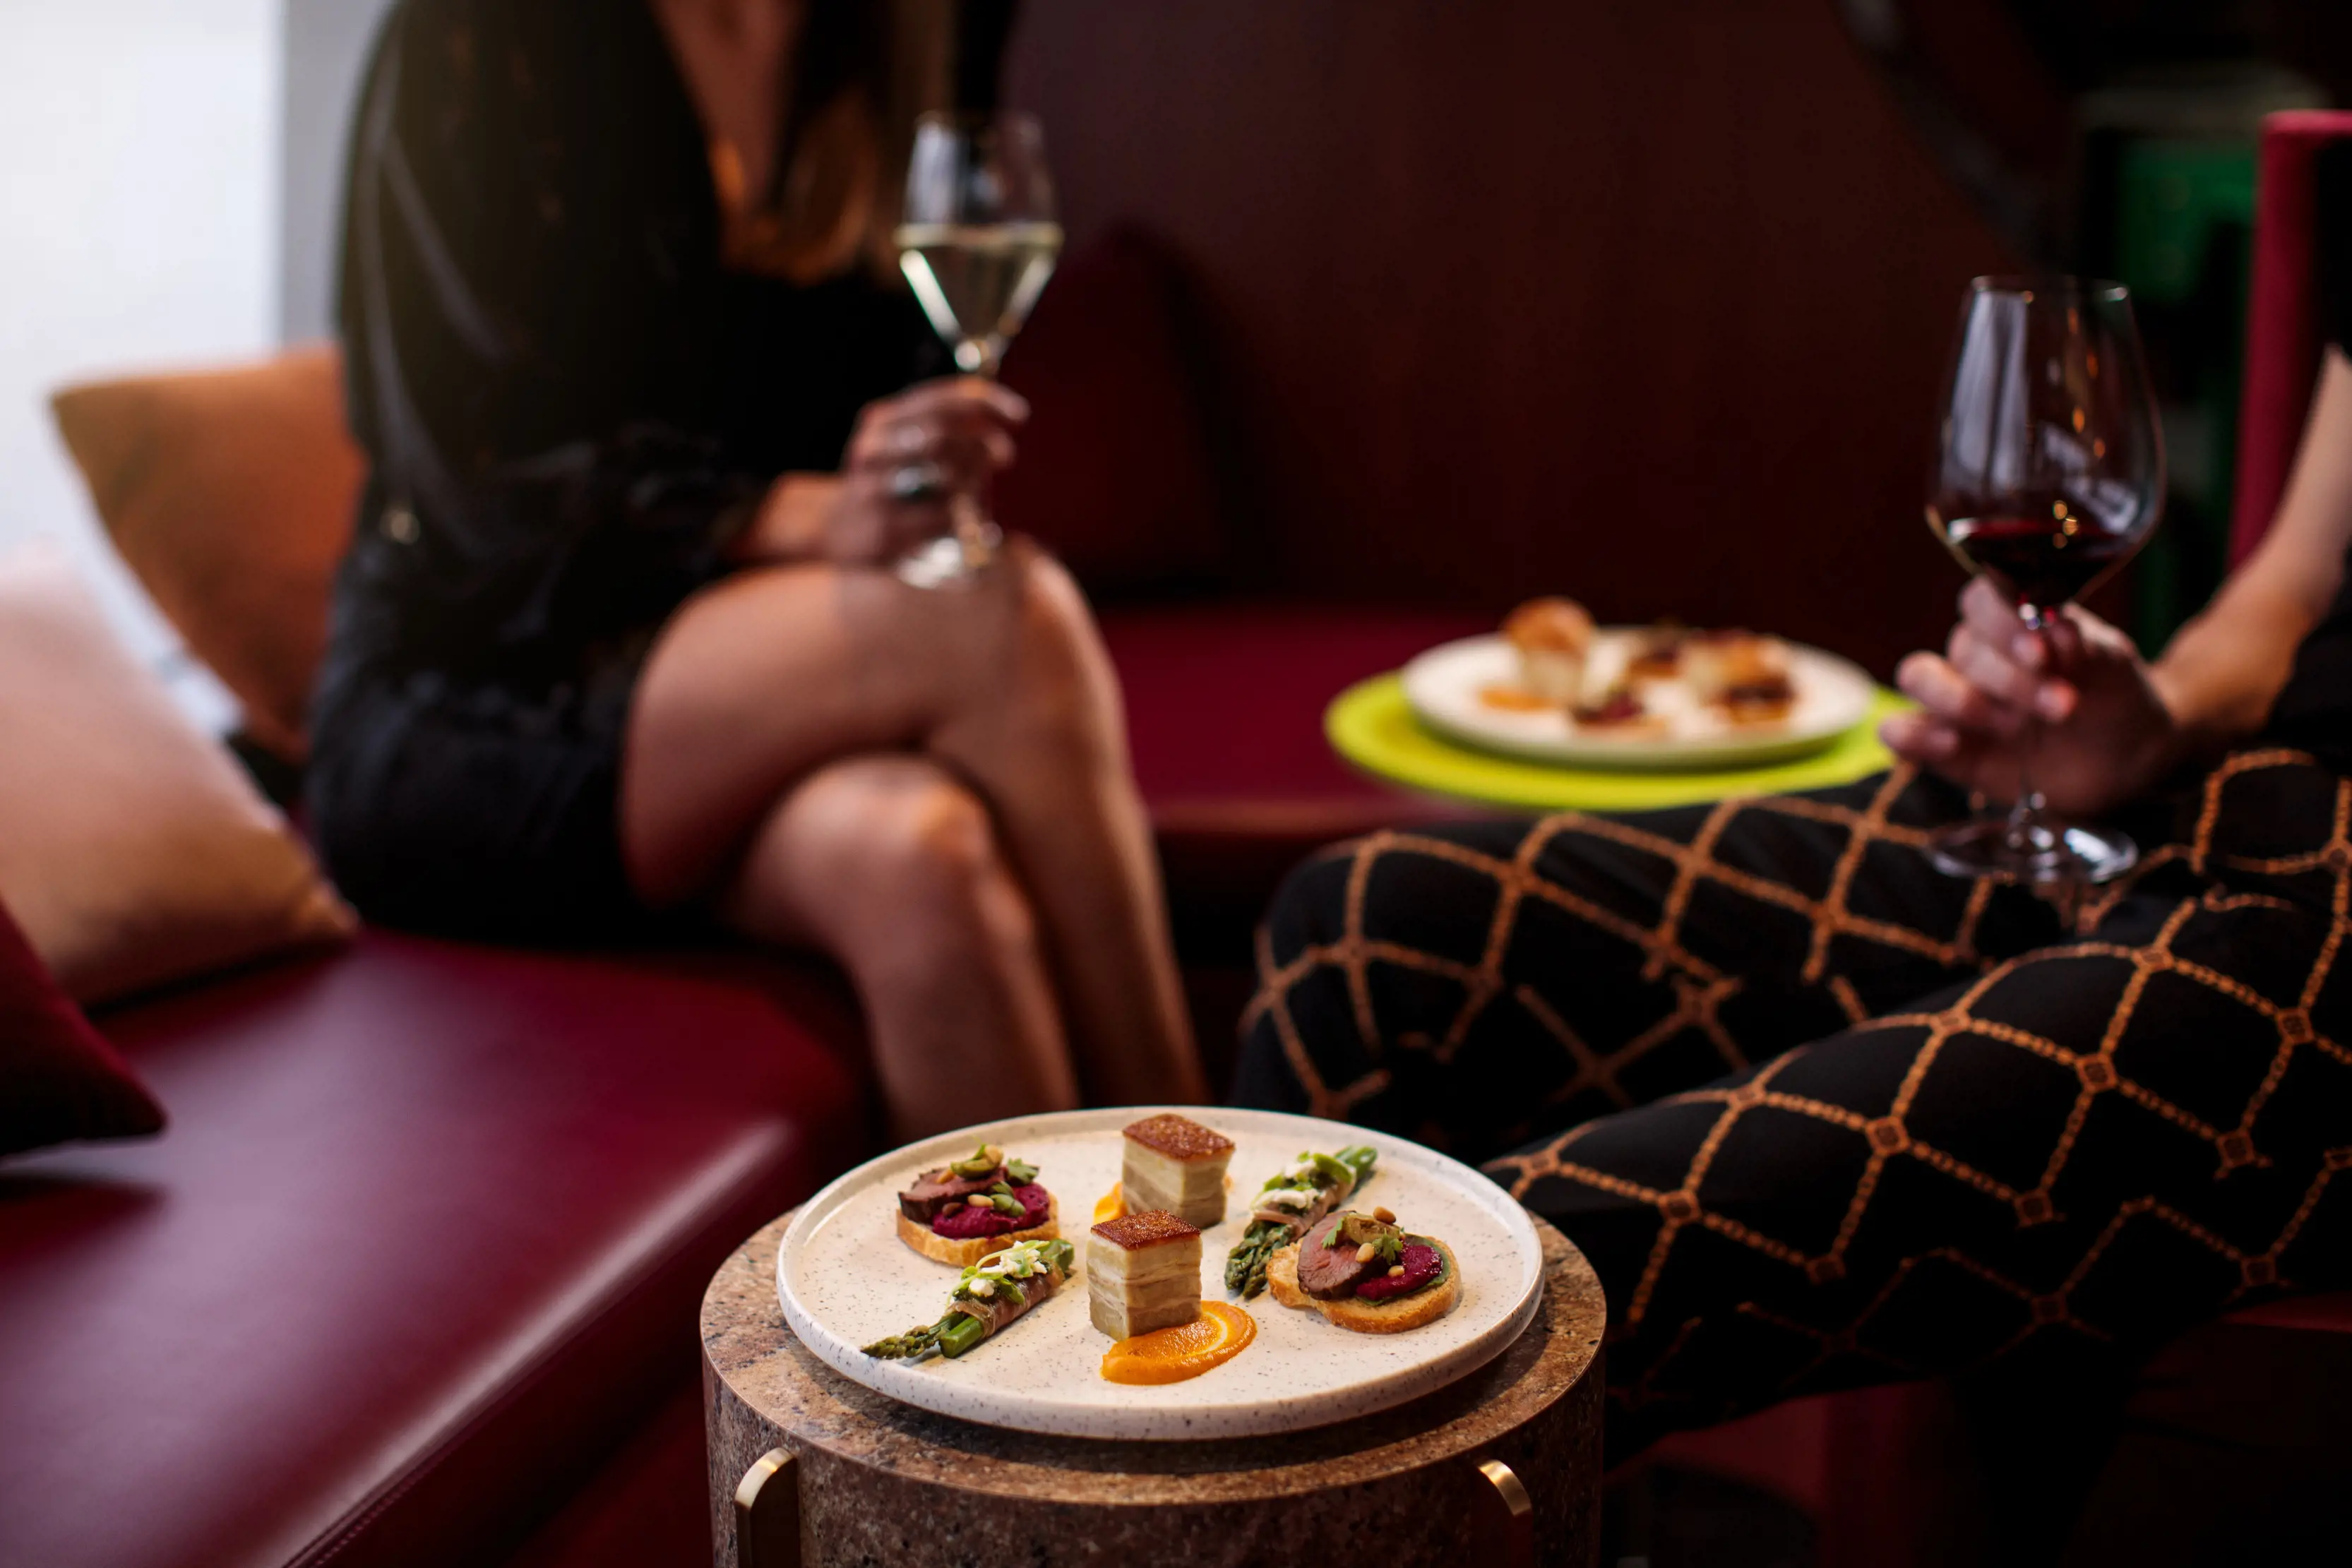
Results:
x,y
1645,304
2282,328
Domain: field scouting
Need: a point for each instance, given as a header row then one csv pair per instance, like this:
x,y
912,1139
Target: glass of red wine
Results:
x,y
2049,474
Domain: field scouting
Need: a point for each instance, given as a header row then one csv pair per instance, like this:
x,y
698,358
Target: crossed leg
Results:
x,y
2059,1144
934,785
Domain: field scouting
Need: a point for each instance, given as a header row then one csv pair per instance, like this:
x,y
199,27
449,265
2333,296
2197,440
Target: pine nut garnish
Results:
x,y
1396,1271
1364,1254
1384,1217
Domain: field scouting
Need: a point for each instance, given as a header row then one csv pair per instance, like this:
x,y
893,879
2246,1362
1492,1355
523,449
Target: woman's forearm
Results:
x,y
2225,668
2223,671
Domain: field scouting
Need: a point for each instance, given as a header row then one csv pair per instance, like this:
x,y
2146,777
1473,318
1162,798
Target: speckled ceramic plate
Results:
x,y
1447,685
845,1281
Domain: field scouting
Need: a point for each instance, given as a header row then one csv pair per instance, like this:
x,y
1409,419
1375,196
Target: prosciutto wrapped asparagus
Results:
x,y
1289,1204
989,1295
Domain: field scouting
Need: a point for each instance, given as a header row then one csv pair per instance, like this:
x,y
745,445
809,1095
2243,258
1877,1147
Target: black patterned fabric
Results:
x,y
1821,1116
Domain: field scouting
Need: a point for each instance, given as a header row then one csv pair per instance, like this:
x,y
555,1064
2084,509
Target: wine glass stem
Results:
x,y
2025,811
968,514
979,357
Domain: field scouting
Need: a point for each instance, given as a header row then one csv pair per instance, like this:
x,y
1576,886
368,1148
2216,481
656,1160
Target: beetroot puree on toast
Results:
x,y
970,1224
1419,1263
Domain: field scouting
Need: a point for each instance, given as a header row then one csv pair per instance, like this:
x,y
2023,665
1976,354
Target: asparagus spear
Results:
x,y
950,1336
1341,1175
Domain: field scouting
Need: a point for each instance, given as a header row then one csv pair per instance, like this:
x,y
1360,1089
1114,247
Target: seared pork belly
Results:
x,y
1143,1273
1176,1166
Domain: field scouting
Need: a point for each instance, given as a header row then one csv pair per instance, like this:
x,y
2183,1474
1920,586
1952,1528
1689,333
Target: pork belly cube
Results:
x,y
1175,1164
1143,1273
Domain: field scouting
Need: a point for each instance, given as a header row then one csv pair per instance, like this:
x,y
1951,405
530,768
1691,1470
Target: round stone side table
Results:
x,y
811,1471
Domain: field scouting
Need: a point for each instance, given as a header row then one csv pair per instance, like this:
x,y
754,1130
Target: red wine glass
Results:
x,y
2049,474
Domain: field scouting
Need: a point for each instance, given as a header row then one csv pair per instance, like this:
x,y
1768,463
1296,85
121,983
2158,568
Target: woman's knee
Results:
x,y
1064,691
929,879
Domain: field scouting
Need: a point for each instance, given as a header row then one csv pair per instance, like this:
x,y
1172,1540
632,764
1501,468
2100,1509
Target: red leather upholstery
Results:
x,y
430,1225
2282,334
1225,704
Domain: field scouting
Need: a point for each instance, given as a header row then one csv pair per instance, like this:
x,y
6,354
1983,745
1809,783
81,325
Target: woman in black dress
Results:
x,y
618,634
1821,1115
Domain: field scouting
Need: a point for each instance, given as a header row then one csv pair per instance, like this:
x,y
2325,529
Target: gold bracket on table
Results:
x,y
768,1513
1507,1523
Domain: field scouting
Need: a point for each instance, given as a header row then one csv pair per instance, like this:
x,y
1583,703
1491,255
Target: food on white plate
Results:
x,y
1174,1164
962,1212
991,1293
1746,676
1143,1273
1554,639
1620,712
1364,1273
1657,654
1290,1201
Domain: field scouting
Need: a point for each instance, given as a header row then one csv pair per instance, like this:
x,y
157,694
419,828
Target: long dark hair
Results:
x,y
863,71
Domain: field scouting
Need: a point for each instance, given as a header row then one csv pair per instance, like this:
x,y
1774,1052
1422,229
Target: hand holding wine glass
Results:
x,y
2049,474
978,242
2077,691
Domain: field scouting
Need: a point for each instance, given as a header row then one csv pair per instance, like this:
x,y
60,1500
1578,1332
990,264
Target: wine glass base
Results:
x,y
952,560
2041,852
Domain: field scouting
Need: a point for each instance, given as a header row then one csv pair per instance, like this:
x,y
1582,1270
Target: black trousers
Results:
x,y
1821,1116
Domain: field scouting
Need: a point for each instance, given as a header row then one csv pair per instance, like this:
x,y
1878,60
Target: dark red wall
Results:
x,y
1641,300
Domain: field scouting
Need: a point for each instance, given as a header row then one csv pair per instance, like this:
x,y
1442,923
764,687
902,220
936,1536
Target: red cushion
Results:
x,y
1114,466
1224,717
432,1223
1225,701
59,1080
2282,328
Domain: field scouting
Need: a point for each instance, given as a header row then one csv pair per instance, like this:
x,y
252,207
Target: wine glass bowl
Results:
x,y
2049,474
977,241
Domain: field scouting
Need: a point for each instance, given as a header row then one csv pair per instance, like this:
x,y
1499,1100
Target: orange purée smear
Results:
x,y
1171,1356
1510,699
1111,1206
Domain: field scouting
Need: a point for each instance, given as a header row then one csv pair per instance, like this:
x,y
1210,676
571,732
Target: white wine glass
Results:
x,y
978,240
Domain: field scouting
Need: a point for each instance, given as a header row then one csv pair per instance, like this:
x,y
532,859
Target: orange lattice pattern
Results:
x,y
1821,1115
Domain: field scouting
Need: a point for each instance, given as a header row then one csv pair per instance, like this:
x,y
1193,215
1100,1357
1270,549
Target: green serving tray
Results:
x,y
1373,726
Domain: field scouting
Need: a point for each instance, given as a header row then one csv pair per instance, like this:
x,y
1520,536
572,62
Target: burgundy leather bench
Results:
x,y
426,1234
423,1243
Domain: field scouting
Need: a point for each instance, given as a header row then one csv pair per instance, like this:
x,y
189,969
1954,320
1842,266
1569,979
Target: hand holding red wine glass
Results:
x,y
2049,474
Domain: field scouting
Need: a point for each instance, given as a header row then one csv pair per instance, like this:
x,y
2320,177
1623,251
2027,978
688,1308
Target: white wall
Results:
x,y
138,199
327,44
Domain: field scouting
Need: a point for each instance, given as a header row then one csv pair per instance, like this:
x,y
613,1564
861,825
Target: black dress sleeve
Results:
x,y
528,214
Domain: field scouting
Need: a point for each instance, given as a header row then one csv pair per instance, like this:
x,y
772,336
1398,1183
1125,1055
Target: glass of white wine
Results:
x,y
977,239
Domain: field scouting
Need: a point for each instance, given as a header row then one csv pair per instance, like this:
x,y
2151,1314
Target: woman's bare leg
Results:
x,y
761,680
893,867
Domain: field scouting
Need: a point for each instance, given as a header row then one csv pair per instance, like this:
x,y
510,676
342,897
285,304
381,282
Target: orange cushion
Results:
x,y
230,494
133,850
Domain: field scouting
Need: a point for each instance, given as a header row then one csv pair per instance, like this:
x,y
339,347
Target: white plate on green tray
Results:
x,y
1447,687
845,1280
